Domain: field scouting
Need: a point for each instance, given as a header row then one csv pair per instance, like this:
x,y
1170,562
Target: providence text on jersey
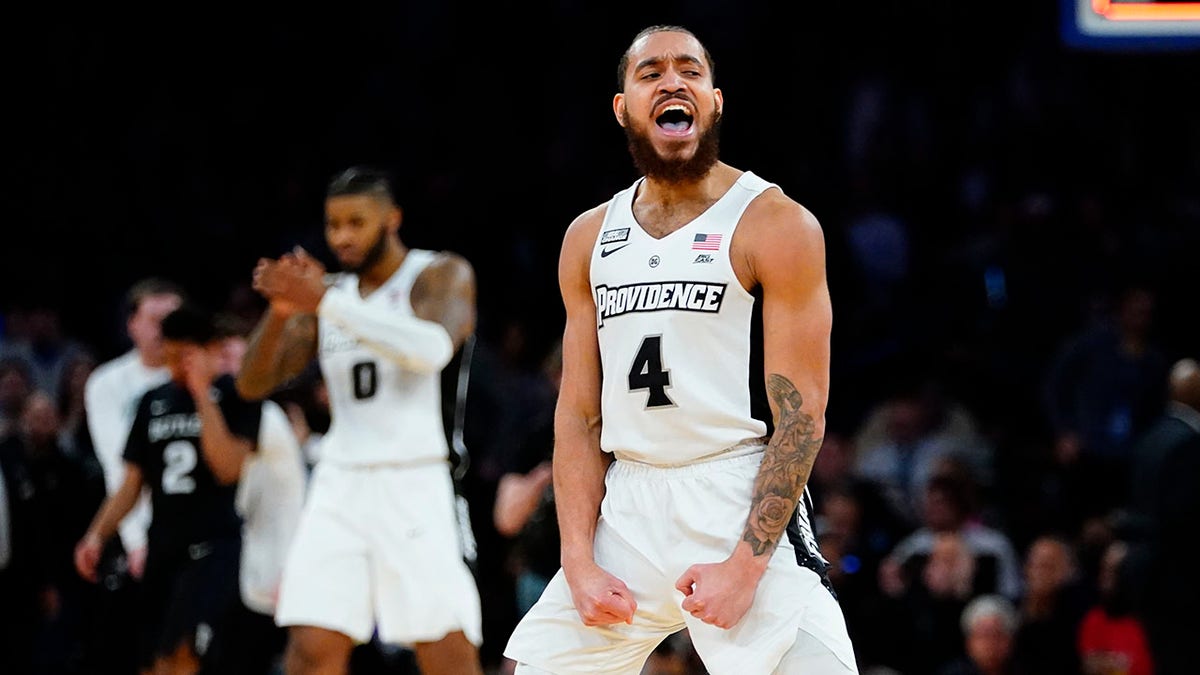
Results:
x,y
690,296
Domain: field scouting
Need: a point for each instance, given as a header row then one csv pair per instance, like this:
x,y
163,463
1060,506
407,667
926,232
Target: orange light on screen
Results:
x,y
1147,11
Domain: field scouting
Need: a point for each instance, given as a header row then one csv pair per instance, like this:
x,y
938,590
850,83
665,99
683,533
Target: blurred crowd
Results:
x,y
968,529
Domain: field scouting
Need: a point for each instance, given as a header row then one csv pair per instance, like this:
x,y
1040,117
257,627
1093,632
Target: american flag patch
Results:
x,y
706,242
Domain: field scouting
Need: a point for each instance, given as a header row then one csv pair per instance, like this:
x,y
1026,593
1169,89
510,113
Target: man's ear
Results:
x,y
719,100
619,108
395,218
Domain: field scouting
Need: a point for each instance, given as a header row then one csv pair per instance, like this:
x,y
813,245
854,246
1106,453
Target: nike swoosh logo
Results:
x,y
604,253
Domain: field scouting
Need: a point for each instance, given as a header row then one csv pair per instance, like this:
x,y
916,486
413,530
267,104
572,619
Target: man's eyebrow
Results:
x,y
655,60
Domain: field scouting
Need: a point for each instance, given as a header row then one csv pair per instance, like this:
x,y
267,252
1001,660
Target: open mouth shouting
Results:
x,y
675,119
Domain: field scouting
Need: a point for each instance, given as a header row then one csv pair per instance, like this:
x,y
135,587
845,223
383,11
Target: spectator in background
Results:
x,y
16,384
902,440
18,600
1166,509
111,395
43,346
1051,610
114,389
950,508
1112,638
927,609
53,495
988,622
524,507
854,536
1104,387
72,406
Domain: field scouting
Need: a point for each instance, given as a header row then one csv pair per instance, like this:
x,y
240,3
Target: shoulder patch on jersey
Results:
x,y
613,236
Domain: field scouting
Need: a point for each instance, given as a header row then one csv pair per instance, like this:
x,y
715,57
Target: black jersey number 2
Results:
x,y
647,373
365,378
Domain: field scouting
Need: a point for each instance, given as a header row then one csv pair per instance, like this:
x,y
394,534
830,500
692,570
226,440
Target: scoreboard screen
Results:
x,y
1131,25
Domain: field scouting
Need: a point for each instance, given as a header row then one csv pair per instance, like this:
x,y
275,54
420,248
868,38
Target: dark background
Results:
x,y
190,144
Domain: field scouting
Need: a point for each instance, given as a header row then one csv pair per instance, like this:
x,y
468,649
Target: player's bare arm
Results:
x,y
445,294
283,343
579,464
789,263
224,452
104,524
781,249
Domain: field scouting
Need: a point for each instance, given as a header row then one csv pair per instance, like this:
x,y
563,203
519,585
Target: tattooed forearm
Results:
x,y
787,463
277,351
298,347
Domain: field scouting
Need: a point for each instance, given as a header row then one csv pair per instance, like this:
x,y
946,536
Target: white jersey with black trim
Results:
x,y
380,411
680,338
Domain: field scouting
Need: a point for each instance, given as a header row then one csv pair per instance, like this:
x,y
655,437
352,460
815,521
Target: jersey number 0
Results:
x,y
366,379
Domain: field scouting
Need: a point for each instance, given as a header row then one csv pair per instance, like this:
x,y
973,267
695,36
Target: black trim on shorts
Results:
x,y
806,557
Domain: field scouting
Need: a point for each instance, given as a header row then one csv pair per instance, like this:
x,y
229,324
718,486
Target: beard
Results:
x,y
372,256
652,165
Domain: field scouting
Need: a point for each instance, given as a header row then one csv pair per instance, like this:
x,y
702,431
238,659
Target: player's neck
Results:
x,y
662,207
672,194
377,275
148,362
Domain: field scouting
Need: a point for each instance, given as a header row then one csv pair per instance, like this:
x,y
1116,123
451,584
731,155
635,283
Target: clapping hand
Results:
x,y
295,283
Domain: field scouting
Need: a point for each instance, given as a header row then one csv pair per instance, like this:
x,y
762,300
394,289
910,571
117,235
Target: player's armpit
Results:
x,y
444,292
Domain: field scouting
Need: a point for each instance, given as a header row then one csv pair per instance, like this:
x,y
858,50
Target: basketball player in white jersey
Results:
x,y
695,379
111,397
114,389
377,550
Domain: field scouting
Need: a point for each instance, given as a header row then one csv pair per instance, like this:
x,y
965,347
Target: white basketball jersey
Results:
x,y
380,412
680,338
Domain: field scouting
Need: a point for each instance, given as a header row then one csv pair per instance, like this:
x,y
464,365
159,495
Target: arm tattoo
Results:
x,y
267,367
298,348
786,465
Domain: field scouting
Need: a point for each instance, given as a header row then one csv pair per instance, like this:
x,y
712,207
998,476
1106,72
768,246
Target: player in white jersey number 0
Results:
x,y
377,550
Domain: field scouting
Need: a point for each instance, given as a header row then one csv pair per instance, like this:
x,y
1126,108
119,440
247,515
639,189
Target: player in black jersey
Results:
x,y
187,445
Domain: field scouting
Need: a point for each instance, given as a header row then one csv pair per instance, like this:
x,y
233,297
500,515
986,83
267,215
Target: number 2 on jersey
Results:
x,y
647,373
179,458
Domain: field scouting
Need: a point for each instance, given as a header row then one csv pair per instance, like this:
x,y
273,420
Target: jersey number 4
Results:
x,y
648,373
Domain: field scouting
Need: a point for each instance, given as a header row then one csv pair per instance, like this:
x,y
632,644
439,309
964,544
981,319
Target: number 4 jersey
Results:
x,y
189,506
381,412
680,338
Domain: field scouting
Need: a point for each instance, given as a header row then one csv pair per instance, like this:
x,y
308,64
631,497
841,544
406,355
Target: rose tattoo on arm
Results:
x,y
786,465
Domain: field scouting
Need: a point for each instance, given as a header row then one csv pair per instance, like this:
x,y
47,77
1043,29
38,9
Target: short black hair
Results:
x,y
189,323
147,287
363,180
623,64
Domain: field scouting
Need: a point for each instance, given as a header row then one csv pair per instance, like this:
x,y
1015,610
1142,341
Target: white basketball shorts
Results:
x,y
654,524
378,548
